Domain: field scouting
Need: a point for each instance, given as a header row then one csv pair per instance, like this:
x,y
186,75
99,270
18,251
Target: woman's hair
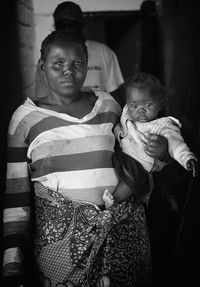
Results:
x,y
151,82
61,36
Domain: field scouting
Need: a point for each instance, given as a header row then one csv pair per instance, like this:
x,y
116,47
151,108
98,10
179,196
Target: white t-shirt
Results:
x,y
103,68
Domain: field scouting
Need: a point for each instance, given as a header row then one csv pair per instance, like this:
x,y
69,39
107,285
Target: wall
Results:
x,y
47,6
26,45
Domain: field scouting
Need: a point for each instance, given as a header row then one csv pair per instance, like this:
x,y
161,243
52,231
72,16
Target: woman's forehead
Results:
x,y
66,47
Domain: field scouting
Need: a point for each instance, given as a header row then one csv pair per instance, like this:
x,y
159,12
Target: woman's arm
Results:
x,y
16,204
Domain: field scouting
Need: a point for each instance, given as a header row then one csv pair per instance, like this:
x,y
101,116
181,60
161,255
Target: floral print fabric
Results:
x,y
77,241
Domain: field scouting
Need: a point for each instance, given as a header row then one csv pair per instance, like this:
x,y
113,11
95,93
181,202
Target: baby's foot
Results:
x,y
103,281
108,199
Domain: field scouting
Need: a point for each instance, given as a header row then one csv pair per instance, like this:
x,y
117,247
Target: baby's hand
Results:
x,y
193,166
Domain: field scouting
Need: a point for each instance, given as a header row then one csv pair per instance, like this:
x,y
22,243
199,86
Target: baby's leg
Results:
x,y
108,199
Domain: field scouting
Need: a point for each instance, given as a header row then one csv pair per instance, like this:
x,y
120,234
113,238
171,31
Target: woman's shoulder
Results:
x,y
104,95
22,109
108,102
25,115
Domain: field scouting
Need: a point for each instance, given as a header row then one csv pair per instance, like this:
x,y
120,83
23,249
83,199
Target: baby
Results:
x,y
145,98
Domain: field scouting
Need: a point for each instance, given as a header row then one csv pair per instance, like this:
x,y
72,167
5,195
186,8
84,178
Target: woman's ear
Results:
x,y
41,65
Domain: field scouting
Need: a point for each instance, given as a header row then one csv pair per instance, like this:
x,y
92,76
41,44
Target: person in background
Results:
x,y
60,147
104,72
145,98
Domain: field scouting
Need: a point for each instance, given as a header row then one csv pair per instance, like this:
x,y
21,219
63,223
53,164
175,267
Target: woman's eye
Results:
x,y
59,64
79,63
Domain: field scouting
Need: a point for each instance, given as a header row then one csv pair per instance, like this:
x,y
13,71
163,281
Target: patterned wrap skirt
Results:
x,y
77,242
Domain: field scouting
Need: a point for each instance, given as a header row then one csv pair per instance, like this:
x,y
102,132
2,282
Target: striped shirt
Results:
x,y
66,154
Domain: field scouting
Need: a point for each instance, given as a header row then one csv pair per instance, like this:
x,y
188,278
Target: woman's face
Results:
x,y
65,69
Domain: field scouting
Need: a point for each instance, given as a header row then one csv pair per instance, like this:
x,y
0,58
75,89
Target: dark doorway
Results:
x,y
121,31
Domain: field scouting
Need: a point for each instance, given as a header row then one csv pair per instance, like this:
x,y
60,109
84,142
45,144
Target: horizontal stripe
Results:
x,y
12,269
93,160
17,170
13,240
54,122
18,132
30,119
17,199
12,255
69,147
73,132
104,117
15,228
16,214
17,154
46,125
80,179
18,185
17,141
17,117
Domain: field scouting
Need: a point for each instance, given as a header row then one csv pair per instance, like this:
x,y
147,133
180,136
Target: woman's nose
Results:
x,y
67,70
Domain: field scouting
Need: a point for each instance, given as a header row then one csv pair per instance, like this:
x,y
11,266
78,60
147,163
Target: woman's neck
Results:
x,y
76,107
58,103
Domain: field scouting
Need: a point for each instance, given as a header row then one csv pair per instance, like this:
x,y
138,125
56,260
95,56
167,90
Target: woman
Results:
x,y
60,152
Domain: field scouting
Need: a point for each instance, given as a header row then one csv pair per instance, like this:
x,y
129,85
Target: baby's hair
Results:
x,y
144,80
61,36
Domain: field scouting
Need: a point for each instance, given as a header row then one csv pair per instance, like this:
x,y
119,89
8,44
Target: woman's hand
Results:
x,y
157,147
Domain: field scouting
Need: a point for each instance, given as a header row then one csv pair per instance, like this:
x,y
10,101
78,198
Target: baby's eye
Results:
x,y
149,105
132,106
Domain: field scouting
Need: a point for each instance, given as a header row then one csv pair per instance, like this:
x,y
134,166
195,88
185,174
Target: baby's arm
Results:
x,y
178,149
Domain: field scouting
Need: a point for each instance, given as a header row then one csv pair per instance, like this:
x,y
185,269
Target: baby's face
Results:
x,y
141,106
